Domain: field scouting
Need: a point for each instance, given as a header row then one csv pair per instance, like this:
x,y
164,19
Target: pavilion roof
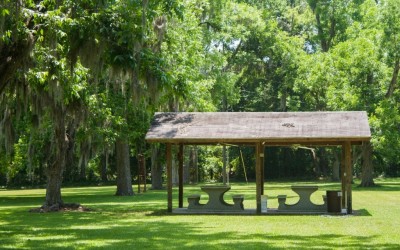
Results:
x,y
274,128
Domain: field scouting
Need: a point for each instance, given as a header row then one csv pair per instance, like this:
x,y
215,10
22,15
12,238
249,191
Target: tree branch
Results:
x,y
393,82
232,56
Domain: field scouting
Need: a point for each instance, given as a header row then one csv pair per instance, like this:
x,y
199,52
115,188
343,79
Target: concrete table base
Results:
x,y
216,200
304,203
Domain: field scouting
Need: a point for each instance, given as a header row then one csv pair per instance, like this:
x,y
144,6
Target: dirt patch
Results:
x,y
66,207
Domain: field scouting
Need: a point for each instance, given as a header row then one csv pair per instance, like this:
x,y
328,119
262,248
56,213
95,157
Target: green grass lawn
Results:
x,y
141,221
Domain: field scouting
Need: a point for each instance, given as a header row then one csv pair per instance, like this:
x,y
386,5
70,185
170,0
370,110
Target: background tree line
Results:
x,y
80,81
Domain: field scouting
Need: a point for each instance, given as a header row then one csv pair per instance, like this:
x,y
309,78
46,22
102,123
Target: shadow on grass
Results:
x,y
164,212
385,187
362,212
139,222
91,230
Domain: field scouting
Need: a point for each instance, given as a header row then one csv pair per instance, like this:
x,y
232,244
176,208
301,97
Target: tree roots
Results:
x,y
66,207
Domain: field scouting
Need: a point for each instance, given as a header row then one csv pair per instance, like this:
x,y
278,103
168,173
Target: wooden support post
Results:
x,y
224,176
180,175
258,176
343,177
169,176
349,176
262,168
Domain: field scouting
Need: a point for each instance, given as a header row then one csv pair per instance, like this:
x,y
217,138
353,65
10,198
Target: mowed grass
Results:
x,y
141,221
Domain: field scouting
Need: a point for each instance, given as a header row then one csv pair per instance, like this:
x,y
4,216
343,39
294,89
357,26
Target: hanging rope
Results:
x,y
244,168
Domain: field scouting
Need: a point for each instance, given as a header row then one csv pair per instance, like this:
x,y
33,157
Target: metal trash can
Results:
x,y
333,201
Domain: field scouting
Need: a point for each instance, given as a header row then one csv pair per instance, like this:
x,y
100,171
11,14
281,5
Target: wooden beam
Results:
x,y
169,176
180,175
349,177
266,141
343,177
258,176
321,143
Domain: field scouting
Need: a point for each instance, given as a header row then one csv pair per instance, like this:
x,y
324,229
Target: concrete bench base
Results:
x,y
194,201
238,201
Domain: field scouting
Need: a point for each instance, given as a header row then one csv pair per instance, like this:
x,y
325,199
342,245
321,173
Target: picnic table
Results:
x,y
216,200
304,204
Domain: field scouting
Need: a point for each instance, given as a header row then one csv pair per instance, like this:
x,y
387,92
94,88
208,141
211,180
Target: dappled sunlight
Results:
x,y
23,193
141,221
48,237
93,227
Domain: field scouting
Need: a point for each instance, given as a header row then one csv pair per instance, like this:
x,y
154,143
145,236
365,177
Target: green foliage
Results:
x,y
385,124
359,76
390,18
104,67
211,163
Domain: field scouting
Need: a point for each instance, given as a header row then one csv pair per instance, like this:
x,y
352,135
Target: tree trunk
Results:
x,y
357,154
317,169
336,167
53,189
193,166
82,174
103,166
124,178
367,174
156,168
393,82
321,35
57,164
283,101
323,162
175,175
186,169
84,159
70,157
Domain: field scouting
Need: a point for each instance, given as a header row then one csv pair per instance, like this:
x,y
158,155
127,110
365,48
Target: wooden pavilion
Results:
x,y
261,129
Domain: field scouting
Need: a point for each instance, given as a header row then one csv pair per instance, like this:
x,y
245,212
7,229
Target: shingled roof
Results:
x,y
266,127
